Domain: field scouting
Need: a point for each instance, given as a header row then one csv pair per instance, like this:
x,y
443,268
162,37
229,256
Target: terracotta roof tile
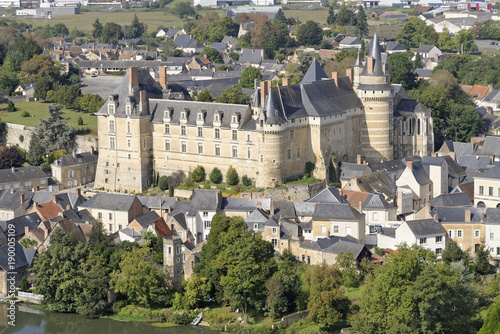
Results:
x,y
162,228
48,210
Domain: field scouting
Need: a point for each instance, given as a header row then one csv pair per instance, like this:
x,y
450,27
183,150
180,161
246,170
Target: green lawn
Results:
x,y
38,110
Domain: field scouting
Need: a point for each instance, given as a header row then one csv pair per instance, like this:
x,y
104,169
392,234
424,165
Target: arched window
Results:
x,y
411,128
498,205
481,205
418,126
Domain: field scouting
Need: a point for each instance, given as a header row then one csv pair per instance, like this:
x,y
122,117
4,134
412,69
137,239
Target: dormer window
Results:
x,y
111,108
128,109
167,113
234,119
200,116
183,114
217,118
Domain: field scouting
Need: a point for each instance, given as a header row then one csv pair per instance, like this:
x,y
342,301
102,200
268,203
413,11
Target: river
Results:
x,y
30,321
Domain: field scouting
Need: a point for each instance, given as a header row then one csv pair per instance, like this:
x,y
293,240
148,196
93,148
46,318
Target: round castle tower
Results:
x,y
377,95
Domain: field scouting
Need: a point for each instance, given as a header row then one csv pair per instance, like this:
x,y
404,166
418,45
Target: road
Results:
x,y
102,85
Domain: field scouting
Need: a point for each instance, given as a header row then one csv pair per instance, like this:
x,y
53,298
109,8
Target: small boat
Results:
x,y
197,320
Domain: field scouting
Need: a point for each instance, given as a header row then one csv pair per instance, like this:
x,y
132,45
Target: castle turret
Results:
x,y
357,71
377,95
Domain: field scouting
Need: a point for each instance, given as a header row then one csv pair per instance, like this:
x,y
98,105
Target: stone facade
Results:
x,y
141,127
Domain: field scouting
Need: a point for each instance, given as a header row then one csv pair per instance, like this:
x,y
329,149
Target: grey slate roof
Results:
x,y
79,159
492,173
12,200
457,214
80,217
350,170
328,195
21,174
19,258
376,53
389,231
335,245
257,216
314,73
376,202
206,200
335,212
245,204
163,203
423,73
111,202
284,209
378,182
272,222
492,216
181,219
391,46
424,48
453,199
147,219
389,166
491,146
473,165
253,56
454,169
425,227
31,221
304,208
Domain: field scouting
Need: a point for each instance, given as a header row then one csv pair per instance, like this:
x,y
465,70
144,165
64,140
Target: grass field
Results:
x,y
38,110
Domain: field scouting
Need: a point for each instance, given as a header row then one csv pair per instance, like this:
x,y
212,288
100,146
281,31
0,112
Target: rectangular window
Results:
x,y
84,171
112,143
167,129
249,153
459,233
217,133
439,250
167,145
128,127
336,229
128,142
291,134
200,131
119,227
275,242
490,191
289,154
375,216
451,233
439,239
498,250
298,152
348,230
481,190
110,227
183,130
205,214
207,223
235,152
423,241
110,216
183,147
249,139
261,158
477,233
111,126
275,230
217,150
492,236
200,148
99,215
430,187
234,134
323,229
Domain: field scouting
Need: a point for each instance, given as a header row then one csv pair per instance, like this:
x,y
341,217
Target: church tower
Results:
x,y
377,95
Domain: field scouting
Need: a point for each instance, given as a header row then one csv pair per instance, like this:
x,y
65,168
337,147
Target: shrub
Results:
x,y
179,318
232,177
163,183
171,192
24,284
24,113
215,175
21,138
11,107
46,167
198,174
246,180
80,121
309,169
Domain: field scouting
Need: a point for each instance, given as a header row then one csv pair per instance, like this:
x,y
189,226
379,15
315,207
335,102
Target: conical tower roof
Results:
x,y
376,54
314,73
357,64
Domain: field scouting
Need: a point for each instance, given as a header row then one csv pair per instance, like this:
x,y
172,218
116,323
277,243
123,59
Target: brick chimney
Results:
x,y
436,57
335,77
358,159
26,230
133,79
162,74
369,64
54,198
22,198
349,72
251,195
264,90
436,218
259,205
143,102
78,191
409,164
74,154
467,215
360,207
286,82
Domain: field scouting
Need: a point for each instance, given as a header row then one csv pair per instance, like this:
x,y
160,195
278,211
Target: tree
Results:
x,y
445,42
417,62
453,253
416,32
10,157
35,154
198,174
111,31
327,302
248,76
348,265
137,29
233,95
183,10
280,16
140,278
60,30
11,107
8,79
43,86
482,257
361,23
163,183
53,133
204,96
39,67
168,47
330,20
222,27
401,70
232,176
270,39
215,175
309,33
462,122
234,55
345,17
197,291
491,323
464,41
213,55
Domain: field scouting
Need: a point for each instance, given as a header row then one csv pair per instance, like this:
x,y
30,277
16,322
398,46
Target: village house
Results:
x,y
74,170
19,178
487,188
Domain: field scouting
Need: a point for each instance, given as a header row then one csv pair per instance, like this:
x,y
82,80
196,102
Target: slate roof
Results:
x,y
328,195
492,173
31,221
120,64
272,221
147,219
376,54
473,165
423,73
21,174
453,199
68,226
350,170
245,204
335,212
19,258
349,40
29,254
419,173
314,73
457,214
334,245
492,216
389,231
180,218
79,159
424,48
111,202
206,200
253,56
304,208
467,188
163,203
454,169
460,149
12,200
391,46
378,182
409,106
425,227
285,209
376,202
491,146
257,216
389,166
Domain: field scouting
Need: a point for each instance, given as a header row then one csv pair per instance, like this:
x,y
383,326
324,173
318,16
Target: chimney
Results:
x,y
349,72
264,90
142,96
214,69
54,198
26,230
251,195
248,64
364,162
60,214
358,159
467,215
360,207
434,154
335,77
22,198
382,160
259,205
74,153
163,76
68,207
286,82
87,222
483,217
169,209
436,218
78,192
272,207
37,188
436,57
13,169
409,164
369,64
35,205
133,79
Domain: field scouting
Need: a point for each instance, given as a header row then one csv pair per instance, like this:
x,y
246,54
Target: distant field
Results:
x,y
38,110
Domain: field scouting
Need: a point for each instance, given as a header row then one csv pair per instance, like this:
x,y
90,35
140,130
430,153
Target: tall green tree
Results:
x,y
35,156
491,323
183,10
416,32
97,29
136,29
213,55
482,258
330,20
269,39
309,33
401,70
53,133
222,27
233,95
464,41
361,23
248,76
111,31
462,123
345,17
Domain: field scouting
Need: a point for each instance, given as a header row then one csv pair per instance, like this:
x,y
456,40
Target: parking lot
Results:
x,y
101,85
486,46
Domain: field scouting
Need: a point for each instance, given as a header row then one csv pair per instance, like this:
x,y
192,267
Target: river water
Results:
x,y
30,321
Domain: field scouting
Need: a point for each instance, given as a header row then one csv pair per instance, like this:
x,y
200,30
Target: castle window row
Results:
x,y
217,149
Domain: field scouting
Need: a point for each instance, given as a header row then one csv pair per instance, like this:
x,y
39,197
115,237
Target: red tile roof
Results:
x,y
47,210
162,228
479,92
